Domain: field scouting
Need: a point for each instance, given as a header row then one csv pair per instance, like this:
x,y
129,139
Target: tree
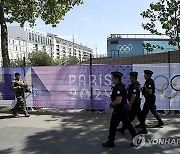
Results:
x,y
17,63
40,58
73,60
21,11
61,62
66,61
167,13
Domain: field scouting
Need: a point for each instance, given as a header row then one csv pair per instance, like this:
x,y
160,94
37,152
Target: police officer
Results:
x,y
19,87
120,109
133,96
149,93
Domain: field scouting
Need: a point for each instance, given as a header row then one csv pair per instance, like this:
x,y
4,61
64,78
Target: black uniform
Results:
x,y
120,112
135,88
150,99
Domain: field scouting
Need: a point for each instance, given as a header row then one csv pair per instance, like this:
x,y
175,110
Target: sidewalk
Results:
x,y
78,133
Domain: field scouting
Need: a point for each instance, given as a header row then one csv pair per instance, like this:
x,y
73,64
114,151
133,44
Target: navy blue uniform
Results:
x,y
120,112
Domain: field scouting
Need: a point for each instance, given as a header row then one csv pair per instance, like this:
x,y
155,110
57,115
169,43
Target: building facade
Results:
x,y
128,45
22,41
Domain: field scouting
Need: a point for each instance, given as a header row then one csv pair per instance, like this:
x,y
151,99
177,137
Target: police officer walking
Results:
x,y
134,99
149,93
19,87
120,109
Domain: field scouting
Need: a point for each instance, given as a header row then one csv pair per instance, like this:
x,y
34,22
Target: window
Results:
x,y
41,39
35,38
114,42
29,36
38,39
32,37
13,41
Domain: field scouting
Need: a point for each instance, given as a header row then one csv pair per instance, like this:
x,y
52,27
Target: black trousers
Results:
x,y
117,116
149,105
133,112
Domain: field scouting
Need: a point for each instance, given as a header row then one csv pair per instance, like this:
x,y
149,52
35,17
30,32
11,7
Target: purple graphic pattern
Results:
x,y
74,86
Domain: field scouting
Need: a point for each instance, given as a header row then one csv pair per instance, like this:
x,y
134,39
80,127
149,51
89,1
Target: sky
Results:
x,y
92,22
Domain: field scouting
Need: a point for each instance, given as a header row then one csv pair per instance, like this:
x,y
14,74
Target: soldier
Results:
x,y
134,100
19,87
120,109
149,93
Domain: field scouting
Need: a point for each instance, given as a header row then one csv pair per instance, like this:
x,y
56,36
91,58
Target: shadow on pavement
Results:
x,y
83,133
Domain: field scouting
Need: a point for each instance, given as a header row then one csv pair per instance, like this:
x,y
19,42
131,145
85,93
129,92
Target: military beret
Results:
x,y
17,74
133,73
148,72
118,73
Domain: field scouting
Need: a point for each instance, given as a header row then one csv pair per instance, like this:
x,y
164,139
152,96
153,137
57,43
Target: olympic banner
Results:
x,y
166,81
174,84
74,86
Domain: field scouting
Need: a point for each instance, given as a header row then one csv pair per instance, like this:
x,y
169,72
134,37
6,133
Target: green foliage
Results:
x,y
17,63
50,11
167,13
149,48
22,11
73,60
66,61
40,58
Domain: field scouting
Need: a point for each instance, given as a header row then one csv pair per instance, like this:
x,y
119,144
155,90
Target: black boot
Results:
x,y
108,144
160,124
143,131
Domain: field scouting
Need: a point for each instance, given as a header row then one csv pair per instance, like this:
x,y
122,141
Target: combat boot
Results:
x,y
108,143
15,114
26,114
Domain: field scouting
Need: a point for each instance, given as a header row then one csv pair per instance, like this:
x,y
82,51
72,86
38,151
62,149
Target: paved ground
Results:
x,y
78,133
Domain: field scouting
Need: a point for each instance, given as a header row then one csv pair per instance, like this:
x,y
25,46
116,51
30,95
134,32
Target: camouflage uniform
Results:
x,y
20,87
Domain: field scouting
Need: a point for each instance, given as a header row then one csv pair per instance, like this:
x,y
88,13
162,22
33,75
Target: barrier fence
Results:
x,y
87,87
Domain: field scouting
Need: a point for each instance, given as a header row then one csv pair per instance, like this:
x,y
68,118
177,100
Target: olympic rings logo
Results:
x,y
125,48
172,84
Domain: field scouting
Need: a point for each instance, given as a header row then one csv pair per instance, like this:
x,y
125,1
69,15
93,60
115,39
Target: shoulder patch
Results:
x,y
118,92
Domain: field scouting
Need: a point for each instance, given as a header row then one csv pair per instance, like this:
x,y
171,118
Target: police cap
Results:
x,y
117,73
148,72
16,74
134,74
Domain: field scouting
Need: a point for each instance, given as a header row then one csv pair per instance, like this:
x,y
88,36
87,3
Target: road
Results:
x,y
79,133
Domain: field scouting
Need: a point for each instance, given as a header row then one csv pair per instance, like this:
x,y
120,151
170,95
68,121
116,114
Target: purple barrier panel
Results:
x,y
70,86
6,76
102,85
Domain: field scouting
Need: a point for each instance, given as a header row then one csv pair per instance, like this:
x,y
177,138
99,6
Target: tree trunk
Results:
x,y
4,39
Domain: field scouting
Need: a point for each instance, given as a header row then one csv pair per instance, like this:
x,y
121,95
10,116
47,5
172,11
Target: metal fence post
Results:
x,y
169,64
91,98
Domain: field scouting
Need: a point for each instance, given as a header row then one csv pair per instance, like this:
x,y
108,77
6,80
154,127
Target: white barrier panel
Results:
x,y
175,86
161,79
